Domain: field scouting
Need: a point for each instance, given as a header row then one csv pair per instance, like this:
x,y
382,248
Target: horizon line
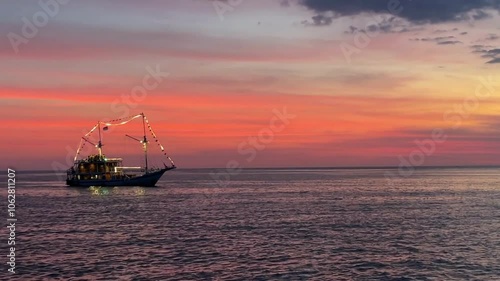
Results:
x,y
318,168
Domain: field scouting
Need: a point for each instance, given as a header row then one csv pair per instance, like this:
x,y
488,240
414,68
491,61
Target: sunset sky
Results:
x,y
364,79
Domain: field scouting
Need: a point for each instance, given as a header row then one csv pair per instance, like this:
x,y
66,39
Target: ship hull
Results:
x,y
146,180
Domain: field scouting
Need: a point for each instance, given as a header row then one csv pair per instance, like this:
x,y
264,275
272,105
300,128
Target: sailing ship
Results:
x,y
98,170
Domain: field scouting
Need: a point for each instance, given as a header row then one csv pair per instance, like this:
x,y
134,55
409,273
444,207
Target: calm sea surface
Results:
x,y
281,224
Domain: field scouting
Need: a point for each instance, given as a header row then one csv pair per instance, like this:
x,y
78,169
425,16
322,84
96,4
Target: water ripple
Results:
x,y
274,225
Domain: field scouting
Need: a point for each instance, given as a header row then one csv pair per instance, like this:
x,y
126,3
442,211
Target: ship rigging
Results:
x,y
98,170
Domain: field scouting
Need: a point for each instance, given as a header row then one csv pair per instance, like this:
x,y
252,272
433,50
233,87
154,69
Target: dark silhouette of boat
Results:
x,y
97,170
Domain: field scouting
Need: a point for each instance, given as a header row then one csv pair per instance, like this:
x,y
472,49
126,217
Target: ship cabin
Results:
x,y
97,167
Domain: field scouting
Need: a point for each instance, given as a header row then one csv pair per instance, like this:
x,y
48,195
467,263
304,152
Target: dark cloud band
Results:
x,y
416,11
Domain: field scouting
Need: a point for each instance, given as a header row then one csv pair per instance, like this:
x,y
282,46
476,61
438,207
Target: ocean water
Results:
x,y
262,224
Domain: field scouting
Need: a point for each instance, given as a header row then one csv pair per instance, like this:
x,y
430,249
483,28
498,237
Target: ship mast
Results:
x,y
145,141
99,145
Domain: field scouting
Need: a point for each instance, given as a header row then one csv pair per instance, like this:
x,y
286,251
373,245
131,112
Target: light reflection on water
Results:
x,y
106,191
315,224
